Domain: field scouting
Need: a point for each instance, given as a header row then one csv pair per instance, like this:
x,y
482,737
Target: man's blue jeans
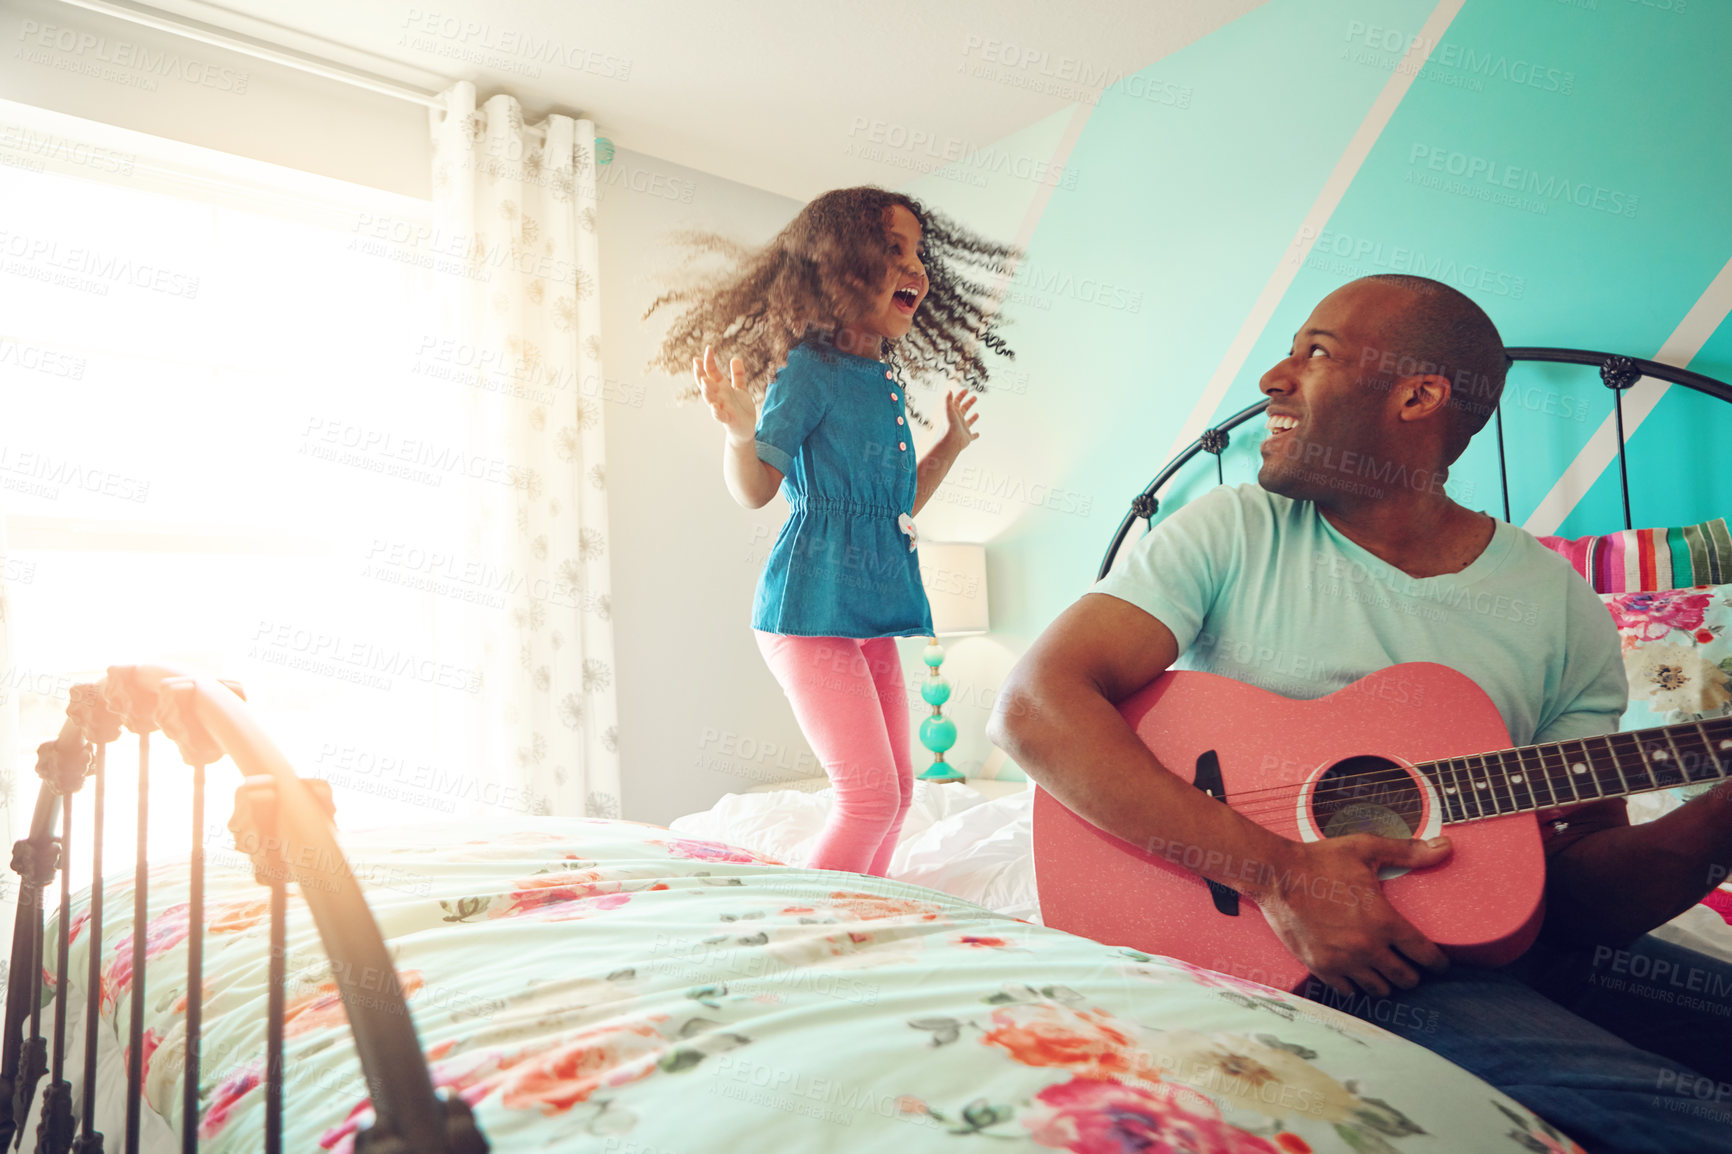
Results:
x,y
1623,1050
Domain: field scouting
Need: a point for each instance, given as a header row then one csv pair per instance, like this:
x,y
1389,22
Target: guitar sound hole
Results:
x,y
1366,795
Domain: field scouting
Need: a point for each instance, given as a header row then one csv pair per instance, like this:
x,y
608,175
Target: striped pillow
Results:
x,y
1645,560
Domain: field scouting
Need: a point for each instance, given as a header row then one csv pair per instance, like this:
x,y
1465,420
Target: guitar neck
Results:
x,y
1564,773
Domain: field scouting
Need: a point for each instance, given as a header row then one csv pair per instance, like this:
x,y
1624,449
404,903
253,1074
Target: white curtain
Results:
x,y
515,254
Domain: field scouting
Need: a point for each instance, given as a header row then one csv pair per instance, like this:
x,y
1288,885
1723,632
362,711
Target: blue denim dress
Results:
x,y
836,425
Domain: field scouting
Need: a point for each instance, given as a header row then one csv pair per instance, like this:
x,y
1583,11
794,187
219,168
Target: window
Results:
x,y
233,439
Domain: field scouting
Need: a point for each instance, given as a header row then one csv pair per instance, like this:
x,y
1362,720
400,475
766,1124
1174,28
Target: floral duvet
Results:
x,y
611,986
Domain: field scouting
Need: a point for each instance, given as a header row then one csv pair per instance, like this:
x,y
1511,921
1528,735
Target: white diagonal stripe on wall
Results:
x,y
1334,188
1704,317
1079,118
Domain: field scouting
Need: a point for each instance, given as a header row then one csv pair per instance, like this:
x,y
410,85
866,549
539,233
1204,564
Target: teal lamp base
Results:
x,y
937,732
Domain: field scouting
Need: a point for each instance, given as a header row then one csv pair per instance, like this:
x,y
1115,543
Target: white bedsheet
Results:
x,y
155,1136
975,841
971,840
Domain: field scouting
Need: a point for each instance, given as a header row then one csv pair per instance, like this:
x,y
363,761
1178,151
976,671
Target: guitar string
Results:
x,y
1723,725
1725,731
1285,795
1278,798
1291,794
1456,807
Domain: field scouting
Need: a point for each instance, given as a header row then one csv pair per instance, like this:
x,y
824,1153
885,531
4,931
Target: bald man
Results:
x,y
1383,388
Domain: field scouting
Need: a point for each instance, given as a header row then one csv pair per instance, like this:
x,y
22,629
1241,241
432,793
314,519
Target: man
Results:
x,y
1385,384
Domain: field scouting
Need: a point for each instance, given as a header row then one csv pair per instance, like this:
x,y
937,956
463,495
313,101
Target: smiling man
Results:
x,y
1348,557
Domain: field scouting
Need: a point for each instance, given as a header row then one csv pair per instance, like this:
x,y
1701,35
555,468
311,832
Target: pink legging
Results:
x,y
849,699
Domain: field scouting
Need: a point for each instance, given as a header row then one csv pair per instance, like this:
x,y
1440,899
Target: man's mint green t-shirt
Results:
x,y
1262,589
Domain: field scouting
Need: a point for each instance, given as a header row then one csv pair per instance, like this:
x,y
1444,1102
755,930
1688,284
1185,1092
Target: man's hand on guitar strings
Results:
x,y
1327,907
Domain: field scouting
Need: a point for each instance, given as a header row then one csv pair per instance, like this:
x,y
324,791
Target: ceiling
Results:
x,y
792,96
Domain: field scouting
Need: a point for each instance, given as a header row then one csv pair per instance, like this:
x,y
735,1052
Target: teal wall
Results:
x,y
1189,211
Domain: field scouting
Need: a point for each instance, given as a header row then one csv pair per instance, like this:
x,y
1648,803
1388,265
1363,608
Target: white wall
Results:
x,y
693,691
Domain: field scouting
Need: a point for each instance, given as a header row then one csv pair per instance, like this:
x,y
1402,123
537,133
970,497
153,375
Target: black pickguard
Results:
x,y
1208,780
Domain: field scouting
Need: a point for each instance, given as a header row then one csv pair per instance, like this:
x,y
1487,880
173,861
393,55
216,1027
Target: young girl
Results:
x,y
864,288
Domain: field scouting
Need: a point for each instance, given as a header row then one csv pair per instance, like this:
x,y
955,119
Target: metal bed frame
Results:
x,y
278,813
281,823
1616,373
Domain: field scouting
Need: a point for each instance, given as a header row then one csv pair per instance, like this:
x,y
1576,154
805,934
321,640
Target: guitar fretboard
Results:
x,y
1565,773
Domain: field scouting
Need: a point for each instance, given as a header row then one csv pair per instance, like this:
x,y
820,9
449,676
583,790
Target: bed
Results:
x,y
431,988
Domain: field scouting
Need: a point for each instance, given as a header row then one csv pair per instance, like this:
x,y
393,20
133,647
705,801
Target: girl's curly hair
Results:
x,y
826,269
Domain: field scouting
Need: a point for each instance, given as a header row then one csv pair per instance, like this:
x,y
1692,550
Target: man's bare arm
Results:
x,y
1057,717
1616,884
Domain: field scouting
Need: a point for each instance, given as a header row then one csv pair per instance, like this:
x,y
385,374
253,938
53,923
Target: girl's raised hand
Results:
x,y
730,401
959,419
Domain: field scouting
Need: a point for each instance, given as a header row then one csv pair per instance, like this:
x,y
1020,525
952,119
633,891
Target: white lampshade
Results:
x,y
955,580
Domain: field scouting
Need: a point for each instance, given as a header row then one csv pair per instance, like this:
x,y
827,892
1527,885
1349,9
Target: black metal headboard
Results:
x,y
278,815
1616,371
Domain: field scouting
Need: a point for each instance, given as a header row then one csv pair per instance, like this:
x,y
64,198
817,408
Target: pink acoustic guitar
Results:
x,y
1400,753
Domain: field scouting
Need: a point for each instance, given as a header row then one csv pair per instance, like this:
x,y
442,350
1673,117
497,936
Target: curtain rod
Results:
x,y
258,49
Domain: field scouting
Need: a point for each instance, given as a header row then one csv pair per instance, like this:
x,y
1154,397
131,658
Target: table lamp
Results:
x,y
955,580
